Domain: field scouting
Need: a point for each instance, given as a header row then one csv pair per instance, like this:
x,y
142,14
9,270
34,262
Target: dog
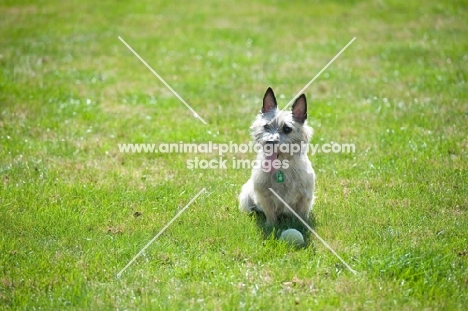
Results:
x,y
292,177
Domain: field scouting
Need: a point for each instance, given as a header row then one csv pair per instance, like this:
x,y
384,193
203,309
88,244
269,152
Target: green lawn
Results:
x,y
74,210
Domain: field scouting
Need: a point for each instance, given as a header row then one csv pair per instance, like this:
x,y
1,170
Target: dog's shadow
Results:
x,y
284,222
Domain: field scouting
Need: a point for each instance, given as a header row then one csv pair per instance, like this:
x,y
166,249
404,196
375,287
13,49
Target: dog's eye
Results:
x,y
287,129
266,127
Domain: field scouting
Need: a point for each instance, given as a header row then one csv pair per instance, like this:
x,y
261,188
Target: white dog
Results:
x,y
284,168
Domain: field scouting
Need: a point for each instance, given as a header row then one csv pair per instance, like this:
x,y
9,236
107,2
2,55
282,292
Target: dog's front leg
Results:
x,y
303,206
269,208
271,217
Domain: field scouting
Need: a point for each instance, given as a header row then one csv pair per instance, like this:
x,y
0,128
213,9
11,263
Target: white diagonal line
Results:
x,y
195,114
313,231
160,232
318,74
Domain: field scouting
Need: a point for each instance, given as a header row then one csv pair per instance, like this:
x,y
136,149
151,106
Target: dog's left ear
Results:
x,y
299,109
269,101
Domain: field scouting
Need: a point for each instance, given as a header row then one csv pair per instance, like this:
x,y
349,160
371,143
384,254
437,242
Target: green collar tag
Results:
x,y
280,176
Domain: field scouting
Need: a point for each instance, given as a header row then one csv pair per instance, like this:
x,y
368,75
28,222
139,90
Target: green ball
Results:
x,y
293,237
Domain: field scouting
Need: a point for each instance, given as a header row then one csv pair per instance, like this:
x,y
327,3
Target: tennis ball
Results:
x,y
293,237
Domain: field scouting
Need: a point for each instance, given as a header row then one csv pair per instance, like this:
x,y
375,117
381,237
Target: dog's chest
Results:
x,y
285,181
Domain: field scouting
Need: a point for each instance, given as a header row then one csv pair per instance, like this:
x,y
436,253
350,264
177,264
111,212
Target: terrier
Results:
x,y
283,138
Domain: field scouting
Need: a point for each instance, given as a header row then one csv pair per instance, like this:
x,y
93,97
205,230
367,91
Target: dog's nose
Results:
x,y
273,139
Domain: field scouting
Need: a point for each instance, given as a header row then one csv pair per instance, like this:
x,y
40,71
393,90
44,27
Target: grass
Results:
x,y
74,210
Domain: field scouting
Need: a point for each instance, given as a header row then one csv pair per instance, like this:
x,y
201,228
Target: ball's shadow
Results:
x,y
284,222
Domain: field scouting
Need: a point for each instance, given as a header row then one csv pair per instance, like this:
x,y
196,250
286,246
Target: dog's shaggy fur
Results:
x,y
295,185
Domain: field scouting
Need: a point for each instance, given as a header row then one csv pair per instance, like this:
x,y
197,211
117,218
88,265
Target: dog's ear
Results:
x,y
299,109
269,101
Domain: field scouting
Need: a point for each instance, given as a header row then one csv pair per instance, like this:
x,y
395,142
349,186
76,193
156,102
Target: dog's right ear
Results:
x,y
299,109
269,101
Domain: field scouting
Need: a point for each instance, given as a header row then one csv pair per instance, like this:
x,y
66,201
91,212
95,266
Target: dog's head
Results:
x,y
281,132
